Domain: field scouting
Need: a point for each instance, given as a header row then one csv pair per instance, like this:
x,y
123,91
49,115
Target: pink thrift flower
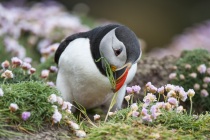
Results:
x,y
44,73
32,70
182,95
80,133
135,113
154,111
144,112
27,60
173,101
134,106
161,90
96,117
181,76
188,66
171,93
25,115
150,98
16,62
7,74
196,86
167,106
57,116
129,90
59,100
204,93
193,75
148,84
172,76
111,113
147,118
5,64
179,109
52,98
66,105
202,68
190,92
26,66
53,69
73,125
169,87
13,107
127,98
51,84
152,89
159,105
136,88
206,79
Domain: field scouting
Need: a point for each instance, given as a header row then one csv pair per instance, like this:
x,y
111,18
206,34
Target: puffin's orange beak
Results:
x,y
120,75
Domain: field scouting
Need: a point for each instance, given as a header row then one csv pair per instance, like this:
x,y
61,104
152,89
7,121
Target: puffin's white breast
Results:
x,y
78,77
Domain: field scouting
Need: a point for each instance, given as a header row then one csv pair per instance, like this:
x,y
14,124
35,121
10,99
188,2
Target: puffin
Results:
x,y
82,60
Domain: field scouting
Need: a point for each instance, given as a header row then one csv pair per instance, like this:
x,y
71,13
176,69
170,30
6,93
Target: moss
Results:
x,y
194,58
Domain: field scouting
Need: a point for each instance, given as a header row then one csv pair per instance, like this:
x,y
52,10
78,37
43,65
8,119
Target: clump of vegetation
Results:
x,y
29,96
29,106
28,102
152,119
193,71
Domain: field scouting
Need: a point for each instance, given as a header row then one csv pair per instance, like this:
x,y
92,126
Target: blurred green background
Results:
x,y
156,22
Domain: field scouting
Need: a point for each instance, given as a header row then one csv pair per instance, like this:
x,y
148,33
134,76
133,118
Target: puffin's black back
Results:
x,y
95,36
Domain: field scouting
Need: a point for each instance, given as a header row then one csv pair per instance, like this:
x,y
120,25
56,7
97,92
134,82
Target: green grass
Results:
x,y
29,96
169,125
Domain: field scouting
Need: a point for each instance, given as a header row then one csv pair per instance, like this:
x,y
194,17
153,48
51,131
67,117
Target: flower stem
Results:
x,y
191,105
128,103
132,98
111,105
4,81
158,97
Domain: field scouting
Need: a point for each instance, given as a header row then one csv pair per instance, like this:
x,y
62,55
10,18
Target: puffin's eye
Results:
x,y
118,51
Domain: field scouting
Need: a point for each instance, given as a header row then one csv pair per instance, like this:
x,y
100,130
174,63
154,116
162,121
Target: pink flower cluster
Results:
x,y
43,28
16,63
152,107
133,89
57,116
192,38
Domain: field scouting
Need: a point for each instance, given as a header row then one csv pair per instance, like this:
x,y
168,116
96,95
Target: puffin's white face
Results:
x,y
113,50
121,49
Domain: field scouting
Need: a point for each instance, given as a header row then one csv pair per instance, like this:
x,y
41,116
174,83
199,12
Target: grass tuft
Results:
x,y
29,96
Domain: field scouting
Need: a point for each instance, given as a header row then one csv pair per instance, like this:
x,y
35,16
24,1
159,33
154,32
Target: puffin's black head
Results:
x,y
121,48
